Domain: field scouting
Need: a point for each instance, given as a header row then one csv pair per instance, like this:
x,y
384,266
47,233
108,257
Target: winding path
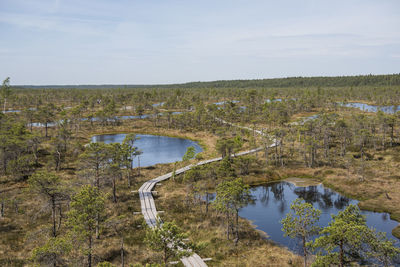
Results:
x,y
148,206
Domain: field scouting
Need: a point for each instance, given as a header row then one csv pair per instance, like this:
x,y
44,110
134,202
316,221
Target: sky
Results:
x,y
173,41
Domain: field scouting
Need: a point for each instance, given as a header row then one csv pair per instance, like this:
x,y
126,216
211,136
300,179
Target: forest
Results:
x,y
67,200
361,80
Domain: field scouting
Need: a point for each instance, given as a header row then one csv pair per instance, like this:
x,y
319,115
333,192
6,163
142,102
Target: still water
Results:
x,y
115,118
363,107
373,108
156,149
272,203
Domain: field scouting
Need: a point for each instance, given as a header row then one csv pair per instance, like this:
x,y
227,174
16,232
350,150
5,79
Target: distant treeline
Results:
x,y
338,81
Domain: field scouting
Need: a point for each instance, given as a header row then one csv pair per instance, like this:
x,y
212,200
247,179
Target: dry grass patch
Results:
x,y
252,250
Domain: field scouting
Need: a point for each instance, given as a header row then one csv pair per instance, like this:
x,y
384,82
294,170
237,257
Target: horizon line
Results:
x,y
204,81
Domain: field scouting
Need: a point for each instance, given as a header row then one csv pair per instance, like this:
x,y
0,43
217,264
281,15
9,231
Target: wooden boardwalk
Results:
x,y
148,206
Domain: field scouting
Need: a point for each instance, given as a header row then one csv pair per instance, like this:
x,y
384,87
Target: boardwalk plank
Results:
x,y
147,203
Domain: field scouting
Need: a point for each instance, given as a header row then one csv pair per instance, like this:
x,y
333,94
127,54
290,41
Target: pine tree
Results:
x,y
301,224
168,239
49,186
344,239
87,207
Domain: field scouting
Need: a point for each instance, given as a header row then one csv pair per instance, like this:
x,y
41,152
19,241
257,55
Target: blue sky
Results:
x,y
155,41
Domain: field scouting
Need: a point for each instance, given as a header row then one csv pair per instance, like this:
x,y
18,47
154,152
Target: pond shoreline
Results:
x,y
305,183
154,149
261,219
395,231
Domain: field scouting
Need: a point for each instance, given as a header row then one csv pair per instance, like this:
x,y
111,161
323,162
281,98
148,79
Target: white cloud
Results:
x,y
102,41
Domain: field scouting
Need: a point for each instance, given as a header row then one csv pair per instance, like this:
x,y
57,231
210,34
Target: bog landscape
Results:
x,y
199,133
202,173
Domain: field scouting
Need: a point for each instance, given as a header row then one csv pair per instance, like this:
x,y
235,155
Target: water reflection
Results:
x,y
156,149
272,202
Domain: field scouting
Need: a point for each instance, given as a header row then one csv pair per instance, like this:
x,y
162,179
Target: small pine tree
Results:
x,y
343,239
190,154
301,224
168,239
86,208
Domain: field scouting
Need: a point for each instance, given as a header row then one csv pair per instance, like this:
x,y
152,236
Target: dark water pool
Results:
x,y
156,149
272,203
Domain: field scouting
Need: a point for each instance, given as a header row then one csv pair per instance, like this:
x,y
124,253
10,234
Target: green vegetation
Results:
x,y
190,154
167,238
301,224
5,92
66,201
85,217
361,80
48,186
347,239
53,253
231,196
